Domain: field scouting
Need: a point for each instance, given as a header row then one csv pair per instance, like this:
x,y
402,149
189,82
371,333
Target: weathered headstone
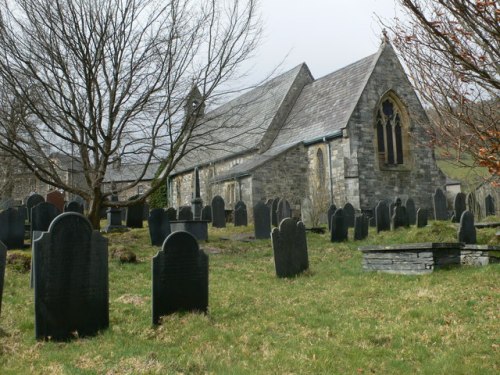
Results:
x,y
73,206
411,211
262,220
489,205
159,226
56,198
206,213
349,214
382,217
12,228
240,214
42,215
274,212
32,201
180,277
339,230
70,264
399,216
360,227
467,230
283,210
134,214
171,213
3,260
290,248
306,212
218,212
459,206
114,216
331,211
440,206
185,213
471,202
422,216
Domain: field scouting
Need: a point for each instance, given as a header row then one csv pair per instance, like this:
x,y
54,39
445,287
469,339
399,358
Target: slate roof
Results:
x,y
130,172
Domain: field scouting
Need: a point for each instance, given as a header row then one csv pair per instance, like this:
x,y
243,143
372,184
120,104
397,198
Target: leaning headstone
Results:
x,y
411,211
331,211
56,198
134,214
12,228
171,213
32,201
489,205
284,210
360,227
185,213
73,206
422,216
459,206
218,212
440,206
274,212
399,216
290,248
3,260
42,215
349,214
339,230
159,226
467,230
262,220
206,213
70,264
180,277
240,214
382,218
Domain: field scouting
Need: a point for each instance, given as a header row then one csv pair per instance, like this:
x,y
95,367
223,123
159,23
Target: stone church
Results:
x,y
357,135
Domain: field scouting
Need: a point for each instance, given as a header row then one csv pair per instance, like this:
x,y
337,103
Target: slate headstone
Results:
x,y
399,216
32,201
12,228
262,220
489,205
382,218
73,206
23,212
360,227
180,277
290,248
349,214
283,210
185,213
134,214
159,226
218,212
56,198
70,264
240,214
42,215
339,230
467,230
145,211
206,213
459,206
422,216
3,260
440,205
471,202
331,211
171,213
274,212
411,211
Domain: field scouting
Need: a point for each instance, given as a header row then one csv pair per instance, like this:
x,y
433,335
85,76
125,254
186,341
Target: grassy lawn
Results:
x,y
334,319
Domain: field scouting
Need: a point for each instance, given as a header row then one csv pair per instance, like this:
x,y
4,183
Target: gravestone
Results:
x,y
459,206
290,248
114,216
180,277
360,227
171,213
73,206
145,211
240,214
422,216
274,212
440,206
262,220
159,226
349,214
31,202
206,213
134,214
331,211
185,213
7,203
12,228
283,210
56,198
382,217
471,202
23,212
467,231
411,211
3,260
218,212
399,216
489,206
339,230
42,215
70,264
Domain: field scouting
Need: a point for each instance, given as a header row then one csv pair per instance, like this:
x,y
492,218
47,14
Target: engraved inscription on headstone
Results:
x,y
290,248
218,212
262,220
159,226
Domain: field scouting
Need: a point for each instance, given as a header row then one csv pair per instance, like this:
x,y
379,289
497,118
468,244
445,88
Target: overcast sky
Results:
x,y
325,34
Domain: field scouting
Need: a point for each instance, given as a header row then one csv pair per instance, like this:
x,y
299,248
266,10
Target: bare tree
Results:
x,y
452,51
106,81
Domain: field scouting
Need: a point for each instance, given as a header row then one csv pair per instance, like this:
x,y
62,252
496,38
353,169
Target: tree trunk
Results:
x,y
94,214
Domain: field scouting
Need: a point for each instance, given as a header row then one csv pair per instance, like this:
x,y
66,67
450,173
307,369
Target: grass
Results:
x,y
334,319
463,169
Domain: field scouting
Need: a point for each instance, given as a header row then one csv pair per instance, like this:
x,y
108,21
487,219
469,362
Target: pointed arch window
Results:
x,y
390,136
320,167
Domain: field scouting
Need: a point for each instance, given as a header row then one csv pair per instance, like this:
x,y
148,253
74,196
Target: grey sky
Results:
x,y
325,34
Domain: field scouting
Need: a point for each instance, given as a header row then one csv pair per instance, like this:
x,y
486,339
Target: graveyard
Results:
x,y
332,317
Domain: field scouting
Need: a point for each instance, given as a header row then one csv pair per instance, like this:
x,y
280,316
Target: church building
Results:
x,y
358,135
